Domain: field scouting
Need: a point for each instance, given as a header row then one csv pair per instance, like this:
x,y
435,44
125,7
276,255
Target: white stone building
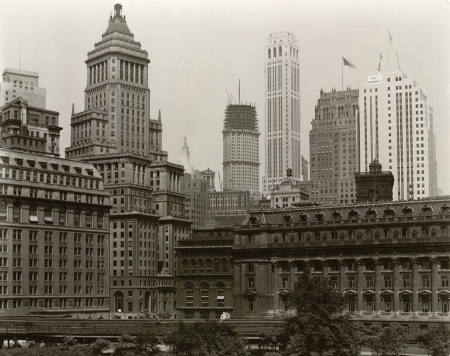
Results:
x,y
396,128
282,109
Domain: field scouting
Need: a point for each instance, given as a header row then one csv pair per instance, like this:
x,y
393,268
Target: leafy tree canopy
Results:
x,y
319,326
205,339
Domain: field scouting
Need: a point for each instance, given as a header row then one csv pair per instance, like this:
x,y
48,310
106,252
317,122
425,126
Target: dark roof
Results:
x,y
240,117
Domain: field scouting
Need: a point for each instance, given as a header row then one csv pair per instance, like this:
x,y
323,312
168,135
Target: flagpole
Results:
x,y
342,75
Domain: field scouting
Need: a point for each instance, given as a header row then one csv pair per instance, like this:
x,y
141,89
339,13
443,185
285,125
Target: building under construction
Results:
x,y
241,148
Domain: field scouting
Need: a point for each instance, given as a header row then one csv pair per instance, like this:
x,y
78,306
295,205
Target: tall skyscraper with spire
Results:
x,y
116,133
396,128
282,109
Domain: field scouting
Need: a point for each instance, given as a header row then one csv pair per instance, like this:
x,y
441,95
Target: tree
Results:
x,y
436,341
205,339
385,341
319,327
145,344
99,345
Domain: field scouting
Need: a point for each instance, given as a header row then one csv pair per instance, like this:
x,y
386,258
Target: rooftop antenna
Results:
x,y
20,54
239,91
398,61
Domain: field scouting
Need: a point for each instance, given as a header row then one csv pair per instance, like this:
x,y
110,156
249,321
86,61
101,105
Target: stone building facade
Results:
x,y
386,258
27,128
22,84
334,147
204,278
54,236
116,134
375,185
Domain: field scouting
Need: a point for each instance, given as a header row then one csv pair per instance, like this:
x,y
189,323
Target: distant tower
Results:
x,y
186,158
241,149
333,147
282,101
374,186
20,83
396,128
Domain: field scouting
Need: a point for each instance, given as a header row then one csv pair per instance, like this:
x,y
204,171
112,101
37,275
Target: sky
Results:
x,y
199,49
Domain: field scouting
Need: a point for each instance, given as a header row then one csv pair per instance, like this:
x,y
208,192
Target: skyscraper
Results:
x,y
396,128
240,149
333,147
116,133
20,83
282,109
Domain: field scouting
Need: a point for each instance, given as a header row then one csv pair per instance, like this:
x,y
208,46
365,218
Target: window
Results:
x,y
33,216
76,218
220,294
16,212
204,293
62,217
444,281
189,295
251,283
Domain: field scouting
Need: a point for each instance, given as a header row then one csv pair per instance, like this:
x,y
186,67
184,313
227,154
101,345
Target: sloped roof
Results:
x,y
118,22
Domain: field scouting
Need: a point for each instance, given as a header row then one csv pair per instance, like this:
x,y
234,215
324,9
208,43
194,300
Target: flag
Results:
x,y
347,63
390,37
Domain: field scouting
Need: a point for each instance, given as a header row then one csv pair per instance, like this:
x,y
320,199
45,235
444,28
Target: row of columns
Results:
x,y
132,72
98,72
377,289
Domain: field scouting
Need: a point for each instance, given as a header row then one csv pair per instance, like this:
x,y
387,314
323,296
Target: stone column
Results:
x,y
396,283
325,269
415,284
275,287
434,284
292,269
359,285
342,276
377,285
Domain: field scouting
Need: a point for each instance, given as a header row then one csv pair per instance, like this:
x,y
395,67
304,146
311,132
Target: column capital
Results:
x,y
396,260
435,259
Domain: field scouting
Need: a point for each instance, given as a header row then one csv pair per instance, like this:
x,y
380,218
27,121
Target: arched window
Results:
x,y
320,217
200,266
337,216
118,302
208,266
189,294
220,292
371,214
185,266
216,266
204,293
389,213
193,266
303,218
353,215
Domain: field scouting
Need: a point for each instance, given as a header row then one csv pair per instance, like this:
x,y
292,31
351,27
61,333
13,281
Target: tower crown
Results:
x,y
117,23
